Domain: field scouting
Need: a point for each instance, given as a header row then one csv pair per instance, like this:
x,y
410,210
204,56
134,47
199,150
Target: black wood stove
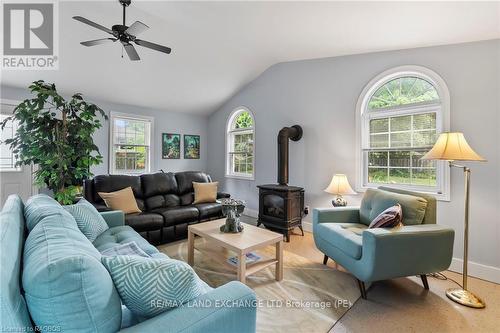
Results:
x,y
281,206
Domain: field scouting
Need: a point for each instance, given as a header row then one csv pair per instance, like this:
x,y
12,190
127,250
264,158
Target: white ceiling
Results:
x,y
218,47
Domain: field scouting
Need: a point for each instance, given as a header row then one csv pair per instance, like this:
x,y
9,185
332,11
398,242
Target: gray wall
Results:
x,y
321,96
164,122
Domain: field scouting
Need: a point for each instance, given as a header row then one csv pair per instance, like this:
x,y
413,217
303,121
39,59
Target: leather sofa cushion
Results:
x,y
159,201
112,183
65,284
376,201
340,236
187,199
209,210
185,180
158,183
223,195
144,221
178,215
121,235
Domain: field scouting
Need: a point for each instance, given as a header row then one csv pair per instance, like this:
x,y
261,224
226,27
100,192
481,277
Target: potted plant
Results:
x,y
55,134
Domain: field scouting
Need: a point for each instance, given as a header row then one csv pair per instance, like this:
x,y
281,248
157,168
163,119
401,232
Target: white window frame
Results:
x,y
19,169
13,103
113,116
230,140
364,115
15,125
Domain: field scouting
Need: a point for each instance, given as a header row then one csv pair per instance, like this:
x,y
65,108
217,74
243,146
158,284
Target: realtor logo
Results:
x,y
29,39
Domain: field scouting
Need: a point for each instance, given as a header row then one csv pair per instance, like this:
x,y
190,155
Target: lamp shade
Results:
x,y
452,146
339,185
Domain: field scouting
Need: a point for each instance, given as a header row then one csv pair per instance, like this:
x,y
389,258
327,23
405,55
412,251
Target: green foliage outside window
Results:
x,y
55,134
402,91
244,120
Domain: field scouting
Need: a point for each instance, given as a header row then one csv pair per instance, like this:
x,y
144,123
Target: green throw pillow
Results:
x,y
88,219
149,286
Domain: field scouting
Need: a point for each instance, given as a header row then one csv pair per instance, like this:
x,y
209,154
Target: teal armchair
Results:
x,y
419,247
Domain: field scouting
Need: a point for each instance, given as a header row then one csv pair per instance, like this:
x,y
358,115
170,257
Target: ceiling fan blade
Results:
x,y
153,46
93,24
98,41
132,53
136,28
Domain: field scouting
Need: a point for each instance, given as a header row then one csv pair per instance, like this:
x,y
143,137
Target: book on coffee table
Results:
x,y
250,259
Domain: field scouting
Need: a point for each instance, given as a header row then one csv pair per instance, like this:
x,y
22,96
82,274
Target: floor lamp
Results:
x,y
453,147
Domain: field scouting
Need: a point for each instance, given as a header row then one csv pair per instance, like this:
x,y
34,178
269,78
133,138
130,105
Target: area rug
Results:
x,y
311,297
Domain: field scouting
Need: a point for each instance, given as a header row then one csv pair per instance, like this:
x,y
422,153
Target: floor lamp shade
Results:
x,y
453,147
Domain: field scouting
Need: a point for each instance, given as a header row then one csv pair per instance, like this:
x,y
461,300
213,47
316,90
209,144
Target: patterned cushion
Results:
x,y
389,218
88,219
150,286
127,249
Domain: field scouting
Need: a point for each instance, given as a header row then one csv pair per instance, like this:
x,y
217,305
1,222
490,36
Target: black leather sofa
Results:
x,y
165,199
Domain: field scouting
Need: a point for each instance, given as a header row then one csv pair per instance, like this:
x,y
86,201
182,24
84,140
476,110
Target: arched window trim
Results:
x,y
228,136
441,107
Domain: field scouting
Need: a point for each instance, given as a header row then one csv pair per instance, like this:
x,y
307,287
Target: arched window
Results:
x,y
402,111
240,150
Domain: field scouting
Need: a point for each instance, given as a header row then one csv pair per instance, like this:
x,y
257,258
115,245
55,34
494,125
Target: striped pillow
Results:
x,y
88,219
389,218
149,286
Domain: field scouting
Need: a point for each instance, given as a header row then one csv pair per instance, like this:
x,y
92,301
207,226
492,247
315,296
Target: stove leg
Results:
x,y
259,223
287,236
301,229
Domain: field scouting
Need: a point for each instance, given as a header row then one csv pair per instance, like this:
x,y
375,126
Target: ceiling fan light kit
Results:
x,y
123,33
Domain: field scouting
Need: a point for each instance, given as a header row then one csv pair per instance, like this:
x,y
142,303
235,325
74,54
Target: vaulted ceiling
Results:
x,y
218,47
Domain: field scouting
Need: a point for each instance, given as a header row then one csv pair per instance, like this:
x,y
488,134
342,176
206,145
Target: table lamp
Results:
x,y
453,147
339,186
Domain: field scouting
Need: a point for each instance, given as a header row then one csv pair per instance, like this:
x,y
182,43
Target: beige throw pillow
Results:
x,y
205,192
123,200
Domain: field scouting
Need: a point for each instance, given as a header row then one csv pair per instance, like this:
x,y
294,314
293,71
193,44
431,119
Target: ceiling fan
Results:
x,y
125,34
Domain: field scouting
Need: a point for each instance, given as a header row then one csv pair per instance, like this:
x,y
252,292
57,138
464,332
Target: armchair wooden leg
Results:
x,y
424,281
362,288
325,259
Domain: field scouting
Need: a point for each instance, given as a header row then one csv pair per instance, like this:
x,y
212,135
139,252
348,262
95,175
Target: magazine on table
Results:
x,y
250,259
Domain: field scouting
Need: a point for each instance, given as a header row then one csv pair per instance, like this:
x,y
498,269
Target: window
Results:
x,y
130,144
240,161
7,158
402,113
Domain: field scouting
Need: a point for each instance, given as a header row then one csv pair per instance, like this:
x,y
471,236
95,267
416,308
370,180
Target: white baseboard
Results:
x,y
485,272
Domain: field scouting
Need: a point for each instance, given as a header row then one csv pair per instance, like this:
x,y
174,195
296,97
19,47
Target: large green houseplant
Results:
x,y
55,134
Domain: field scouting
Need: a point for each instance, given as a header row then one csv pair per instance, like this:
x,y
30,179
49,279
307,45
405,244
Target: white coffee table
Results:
x,y
250,239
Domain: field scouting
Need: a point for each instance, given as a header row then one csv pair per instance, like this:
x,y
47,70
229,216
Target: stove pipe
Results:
x,y
293,133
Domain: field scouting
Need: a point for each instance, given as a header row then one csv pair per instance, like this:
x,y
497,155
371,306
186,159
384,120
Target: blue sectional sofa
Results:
x,y
52,278
419,247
